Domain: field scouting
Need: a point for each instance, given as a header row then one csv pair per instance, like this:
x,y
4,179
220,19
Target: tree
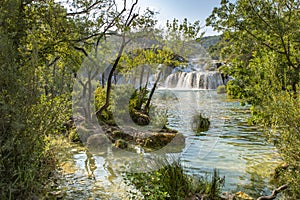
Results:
x,y
262,55
250,26
43,44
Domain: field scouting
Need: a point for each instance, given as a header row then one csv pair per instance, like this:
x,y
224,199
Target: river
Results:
x,y
237,150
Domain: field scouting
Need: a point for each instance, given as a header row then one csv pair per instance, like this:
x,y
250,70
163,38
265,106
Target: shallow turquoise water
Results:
x,y
237,150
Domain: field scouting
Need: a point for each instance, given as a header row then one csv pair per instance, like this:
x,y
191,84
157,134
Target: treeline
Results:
x,y
43,45
260,48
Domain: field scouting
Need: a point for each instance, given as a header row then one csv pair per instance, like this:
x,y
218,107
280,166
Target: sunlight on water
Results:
x,y
237,150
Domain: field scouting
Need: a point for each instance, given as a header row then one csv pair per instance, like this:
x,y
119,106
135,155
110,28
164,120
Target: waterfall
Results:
x,y
194,80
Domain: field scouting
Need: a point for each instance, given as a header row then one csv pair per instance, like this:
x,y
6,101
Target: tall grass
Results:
x,y
172,182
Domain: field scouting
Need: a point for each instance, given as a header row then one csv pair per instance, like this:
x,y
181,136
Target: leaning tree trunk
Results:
x,y
147,107
109,81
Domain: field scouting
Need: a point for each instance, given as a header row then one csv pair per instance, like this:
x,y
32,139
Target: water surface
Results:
x,y
236,149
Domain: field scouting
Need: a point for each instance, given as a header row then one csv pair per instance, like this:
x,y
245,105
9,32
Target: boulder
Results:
x,y
139,117
160,140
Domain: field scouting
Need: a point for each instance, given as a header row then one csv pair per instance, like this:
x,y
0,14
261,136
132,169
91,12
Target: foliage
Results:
x,y
262,54
184,38
27,114
279,113
252,26
125,103
200,123
171,182
42,46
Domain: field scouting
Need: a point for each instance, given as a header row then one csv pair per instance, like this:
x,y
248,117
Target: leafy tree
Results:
x,y
43,44
253,25
262,55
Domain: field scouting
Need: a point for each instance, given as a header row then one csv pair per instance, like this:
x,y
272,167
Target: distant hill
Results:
x,y
209,41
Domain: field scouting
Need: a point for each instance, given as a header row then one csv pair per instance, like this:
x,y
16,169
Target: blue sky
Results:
x,y
191,9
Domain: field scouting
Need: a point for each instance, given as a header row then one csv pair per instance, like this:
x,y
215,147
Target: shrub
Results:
x,y
171,182
221,89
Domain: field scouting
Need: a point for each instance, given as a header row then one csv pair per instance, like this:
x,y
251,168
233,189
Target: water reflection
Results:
x,y
239,151
230,145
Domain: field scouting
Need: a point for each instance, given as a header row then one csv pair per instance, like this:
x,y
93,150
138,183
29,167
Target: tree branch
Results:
x,y
82,50
128,20
274,193
108,89
111,24
86,10
54,61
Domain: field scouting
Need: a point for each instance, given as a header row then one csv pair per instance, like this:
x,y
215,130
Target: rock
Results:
x,y
221,89
157,140
227,196
139,117
160,140
242,196
200,123
118,134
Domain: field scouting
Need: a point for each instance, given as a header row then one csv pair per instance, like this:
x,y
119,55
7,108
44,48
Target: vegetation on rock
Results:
x,y
200,123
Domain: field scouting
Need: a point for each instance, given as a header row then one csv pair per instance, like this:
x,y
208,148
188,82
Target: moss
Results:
x,y
139,117
117,134
221,89
73,136
122,144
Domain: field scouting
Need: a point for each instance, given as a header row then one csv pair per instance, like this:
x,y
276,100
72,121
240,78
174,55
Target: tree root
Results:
x,y
274,193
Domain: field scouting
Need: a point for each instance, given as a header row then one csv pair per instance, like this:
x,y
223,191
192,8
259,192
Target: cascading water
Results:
x,y
194,77
194,80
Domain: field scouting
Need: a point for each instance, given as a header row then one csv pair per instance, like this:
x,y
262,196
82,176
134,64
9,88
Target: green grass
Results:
x,y
172,182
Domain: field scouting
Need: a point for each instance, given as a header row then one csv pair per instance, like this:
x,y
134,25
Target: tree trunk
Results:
x,y
109,80
147,107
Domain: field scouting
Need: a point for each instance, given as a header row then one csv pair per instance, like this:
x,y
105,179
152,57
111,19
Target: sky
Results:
x,y
191,9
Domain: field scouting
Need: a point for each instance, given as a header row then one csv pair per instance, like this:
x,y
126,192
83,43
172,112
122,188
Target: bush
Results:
x,y
234,90
171,182
100,95
279,112
281,117
221,89
126,104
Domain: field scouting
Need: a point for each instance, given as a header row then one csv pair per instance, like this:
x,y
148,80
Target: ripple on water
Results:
x,y
237,150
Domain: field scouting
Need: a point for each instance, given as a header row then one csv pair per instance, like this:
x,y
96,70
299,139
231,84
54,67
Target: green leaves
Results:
x,y
262,55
